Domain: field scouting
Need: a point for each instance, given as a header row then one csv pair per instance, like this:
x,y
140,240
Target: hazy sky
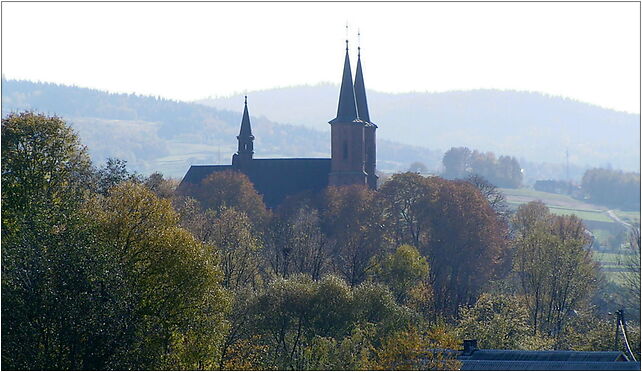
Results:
x,y
187,51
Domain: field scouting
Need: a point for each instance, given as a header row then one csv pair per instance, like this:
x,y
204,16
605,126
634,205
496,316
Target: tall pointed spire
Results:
x,y
246,128
347,110
360,90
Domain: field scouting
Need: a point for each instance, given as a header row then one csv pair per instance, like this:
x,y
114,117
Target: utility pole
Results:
x,y
568,177
620,326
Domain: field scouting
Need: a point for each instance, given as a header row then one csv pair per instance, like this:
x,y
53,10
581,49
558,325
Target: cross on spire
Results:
x,y
346,35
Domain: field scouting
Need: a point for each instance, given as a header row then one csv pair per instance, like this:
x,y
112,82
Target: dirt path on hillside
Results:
x,y
617,219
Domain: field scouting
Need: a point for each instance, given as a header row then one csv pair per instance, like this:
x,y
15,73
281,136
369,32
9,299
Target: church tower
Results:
x,y
245,138
348,136
369,129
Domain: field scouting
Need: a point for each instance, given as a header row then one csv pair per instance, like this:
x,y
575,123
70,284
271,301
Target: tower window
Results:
x,y
345,150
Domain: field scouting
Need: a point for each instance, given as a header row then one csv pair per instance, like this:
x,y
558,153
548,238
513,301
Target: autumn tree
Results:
x,y
453,225
352,218
414,350
161,186
401,196
296,244
495,197
467,244
228,189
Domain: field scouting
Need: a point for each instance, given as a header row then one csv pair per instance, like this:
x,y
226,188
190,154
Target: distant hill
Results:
x,y
155,134
527,125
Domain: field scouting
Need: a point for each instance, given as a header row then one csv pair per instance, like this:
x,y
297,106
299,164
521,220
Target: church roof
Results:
x,y
360,93
197,173
549,355
555,360
347,109
523,365
274,179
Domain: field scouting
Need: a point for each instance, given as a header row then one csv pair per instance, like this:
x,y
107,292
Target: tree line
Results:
x,y
613,188
461,162
106,269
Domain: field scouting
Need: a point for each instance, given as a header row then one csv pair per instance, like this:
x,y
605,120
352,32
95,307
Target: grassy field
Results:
x,y
589,215
628,216
613,263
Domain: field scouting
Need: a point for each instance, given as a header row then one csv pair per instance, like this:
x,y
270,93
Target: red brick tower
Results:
x,y
348,136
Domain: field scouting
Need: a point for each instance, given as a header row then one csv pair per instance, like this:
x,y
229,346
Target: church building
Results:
x,y
353,157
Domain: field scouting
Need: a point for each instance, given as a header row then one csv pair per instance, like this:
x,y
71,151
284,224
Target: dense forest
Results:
x,y
103,268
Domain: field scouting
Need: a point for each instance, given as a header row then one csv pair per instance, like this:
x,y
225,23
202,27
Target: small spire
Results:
x,y
246,127
358,42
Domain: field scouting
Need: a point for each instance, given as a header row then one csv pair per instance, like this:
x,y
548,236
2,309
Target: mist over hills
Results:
x,y
155,134
531,126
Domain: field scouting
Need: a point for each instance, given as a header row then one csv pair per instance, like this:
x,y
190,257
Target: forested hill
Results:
x,y
527,125
155,134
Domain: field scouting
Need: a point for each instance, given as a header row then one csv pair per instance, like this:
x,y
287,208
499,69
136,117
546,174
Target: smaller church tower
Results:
x,y
348,152
369,128
246,141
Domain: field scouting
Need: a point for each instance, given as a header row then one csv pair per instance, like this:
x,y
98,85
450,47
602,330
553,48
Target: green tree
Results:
x,y
44,166
111,174
554,267
498,321
48,260
168,304
295,321
402,271
232,238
